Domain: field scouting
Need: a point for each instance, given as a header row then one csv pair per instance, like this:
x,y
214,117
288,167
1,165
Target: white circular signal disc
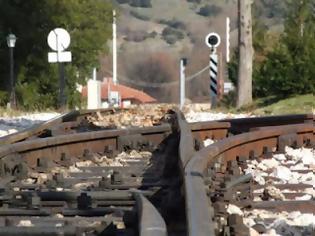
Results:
x,y
58,39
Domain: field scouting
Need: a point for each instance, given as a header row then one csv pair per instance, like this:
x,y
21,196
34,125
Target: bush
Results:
x,y
4,98
30,98
171,35
140,3
153,34
210,10
289,69
139,36
139,16
229,99
284,74
194,1
122,1
176,24
170,39
233,68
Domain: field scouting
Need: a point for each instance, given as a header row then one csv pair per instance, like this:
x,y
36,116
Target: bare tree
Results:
x,y
245,70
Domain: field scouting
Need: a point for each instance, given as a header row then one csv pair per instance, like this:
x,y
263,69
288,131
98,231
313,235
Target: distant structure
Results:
x,y
120,95
94,92
228,87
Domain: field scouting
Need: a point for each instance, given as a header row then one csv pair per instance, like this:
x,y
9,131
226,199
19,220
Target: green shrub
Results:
x,y
153,34
122,1
140,3
176,24
139,36
229,99
210,10
4,98
171,35
29,97
139,16
170,39
284,74
194,1
233,68
289,69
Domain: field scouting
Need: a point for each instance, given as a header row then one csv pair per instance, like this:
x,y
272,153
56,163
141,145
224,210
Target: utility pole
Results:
x,y
114,48
228,29
245,69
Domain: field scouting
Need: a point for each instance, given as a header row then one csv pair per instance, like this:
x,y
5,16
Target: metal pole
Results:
x,y
213,64
62,83
228,39
220,76
114,49
94,74
12,90
183,63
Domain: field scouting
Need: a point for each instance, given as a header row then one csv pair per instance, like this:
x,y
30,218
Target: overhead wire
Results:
x,y
154,84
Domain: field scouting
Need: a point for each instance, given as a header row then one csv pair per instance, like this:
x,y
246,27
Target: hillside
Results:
x,y
162,30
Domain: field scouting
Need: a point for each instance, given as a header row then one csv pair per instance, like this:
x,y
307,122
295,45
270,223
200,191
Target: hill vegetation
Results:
x,y
152,36
179,29
281,55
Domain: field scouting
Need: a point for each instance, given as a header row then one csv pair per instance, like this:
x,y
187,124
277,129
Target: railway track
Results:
x,y
68,123
68,177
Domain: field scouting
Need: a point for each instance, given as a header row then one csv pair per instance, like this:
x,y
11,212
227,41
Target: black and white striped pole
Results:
x,y
213,40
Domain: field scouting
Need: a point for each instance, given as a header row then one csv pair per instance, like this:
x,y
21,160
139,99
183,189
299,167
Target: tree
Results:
x,y
89,24
244,87
289,68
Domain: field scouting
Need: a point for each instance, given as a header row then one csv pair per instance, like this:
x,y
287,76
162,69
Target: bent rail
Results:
x,y
198,206
151,223
38,129
242,125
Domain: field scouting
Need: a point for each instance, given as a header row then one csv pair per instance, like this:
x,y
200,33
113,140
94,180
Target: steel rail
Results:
x,y
95,141
76,144
38,129
186,153
193,163
241,125
151,223
199,209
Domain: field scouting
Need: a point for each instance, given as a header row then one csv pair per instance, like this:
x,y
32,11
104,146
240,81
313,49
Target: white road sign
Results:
x,y
54,57
59,40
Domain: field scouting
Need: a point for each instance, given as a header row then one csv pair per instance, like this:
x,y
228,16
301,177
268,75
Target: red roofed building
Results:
x,y
126,94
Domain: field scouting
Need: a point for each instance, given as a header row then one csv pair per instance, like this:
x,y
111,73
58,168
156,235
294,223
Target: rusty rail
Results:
x,y
242,125
151,222
18,156
184,151
62,123
199,209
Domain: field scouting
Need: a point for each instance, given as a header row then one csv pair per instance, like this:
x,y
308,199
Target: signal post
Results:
x,y
213,40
